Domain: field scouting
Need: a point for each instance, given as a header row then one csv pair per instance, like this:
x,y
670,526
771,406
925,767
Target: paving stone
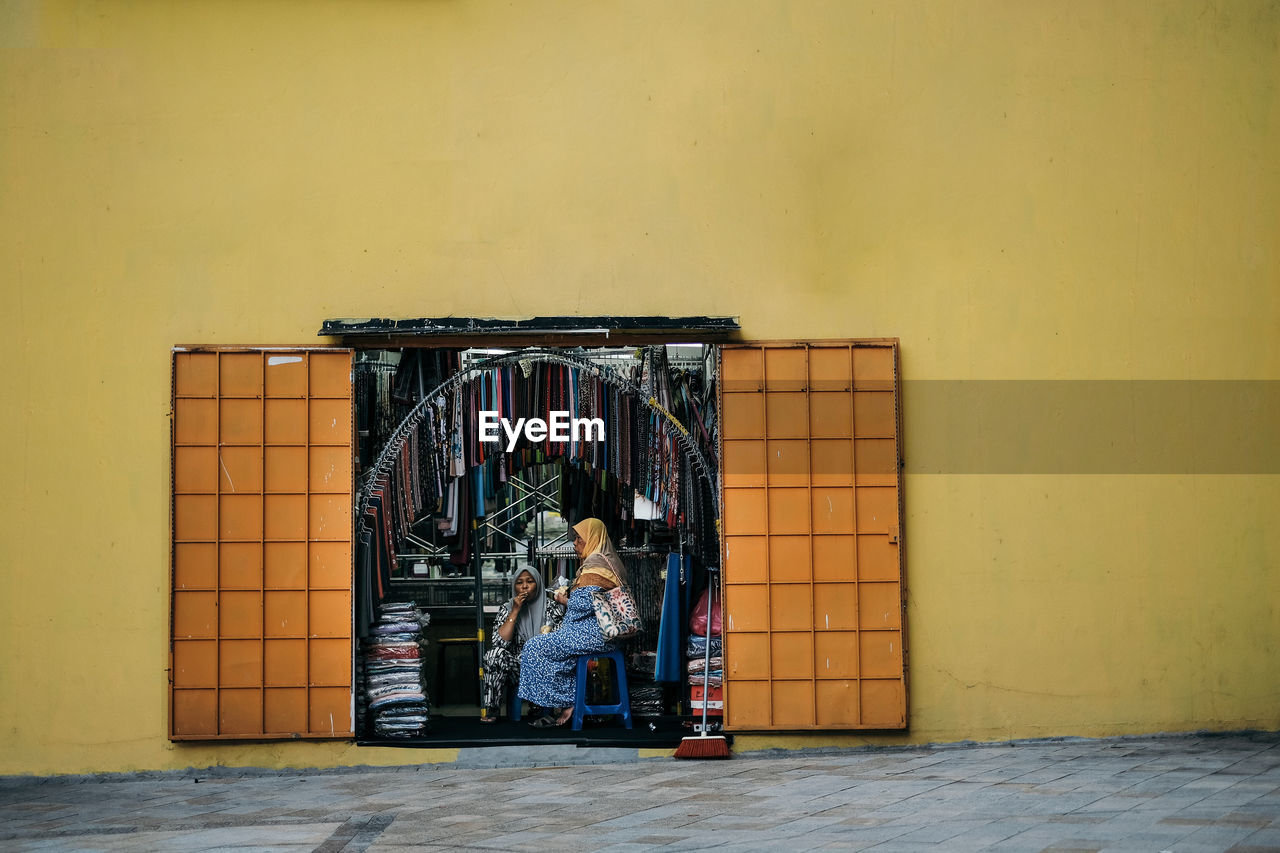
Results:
x,y
985,835
1266,839
1113,804
876,834
1224,833
940,831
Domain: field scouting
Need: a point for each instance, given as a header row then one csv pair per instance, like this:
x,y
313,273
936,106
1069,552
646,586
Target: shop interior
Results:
x,y
446,521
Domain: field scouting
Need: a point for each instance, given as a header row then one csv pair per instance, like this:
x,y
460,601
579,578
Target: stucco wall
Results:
x,y
1040,191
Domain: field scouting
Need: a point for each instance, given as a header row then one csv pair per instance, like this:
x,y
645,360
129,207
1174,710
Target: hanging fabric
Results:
x,y
671,659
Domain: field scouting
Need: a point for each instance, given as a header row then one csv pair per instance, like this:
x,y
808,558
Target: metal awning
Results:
x,y
606,327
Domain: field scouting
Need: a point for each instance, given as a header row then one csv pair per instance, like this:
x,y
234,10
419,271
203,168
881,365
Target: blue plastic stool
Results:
x,y
580,706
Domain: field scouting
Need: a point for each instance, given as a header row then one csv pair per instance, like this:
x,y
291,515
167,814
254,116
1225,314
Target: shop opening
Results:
x,y
472,467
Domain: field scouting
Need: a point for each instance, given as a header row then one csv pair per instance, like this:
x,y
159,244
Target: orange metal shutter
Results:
x,y
812,567
261,619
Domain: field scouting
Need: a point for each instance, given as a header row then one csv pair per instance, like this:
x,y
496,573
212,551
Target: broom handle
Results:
x,y
706,665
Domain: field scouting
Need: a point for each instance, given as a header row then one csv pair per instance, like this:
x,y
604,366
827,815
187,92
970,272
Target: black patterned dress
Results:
x,y
502,661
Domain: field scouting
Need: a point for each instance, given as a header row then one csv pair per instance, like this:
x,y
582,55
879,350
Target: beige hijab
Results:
x,y
599,556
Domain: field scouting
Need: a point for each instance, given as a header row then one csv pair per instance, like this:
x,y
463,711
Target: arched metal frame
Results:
x,y
705,471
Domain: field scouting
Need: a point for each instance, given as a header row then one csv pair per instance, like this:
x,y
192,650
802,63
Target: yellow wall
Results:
x,y
1049,190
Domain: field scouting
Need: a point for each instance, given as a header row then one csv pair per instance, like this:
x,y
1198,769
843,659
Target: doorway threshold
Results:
x,y
646,733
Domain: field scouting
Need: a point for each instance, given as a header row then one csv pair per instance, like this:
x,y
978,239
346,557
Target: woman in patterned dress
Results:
x,y
529,612
548,661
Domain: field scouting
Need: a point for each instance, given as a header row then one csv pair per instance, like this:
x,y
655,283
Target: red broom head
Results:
x,y
713,746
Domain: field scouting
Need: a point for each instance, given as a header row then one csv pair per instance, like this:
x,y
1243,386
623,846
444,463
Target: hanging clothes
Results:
x,y
671,658
477,489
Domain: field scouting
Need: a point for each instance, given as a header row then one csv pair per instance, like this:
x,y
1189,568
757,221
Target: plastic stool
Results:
x,y
442,646
580,706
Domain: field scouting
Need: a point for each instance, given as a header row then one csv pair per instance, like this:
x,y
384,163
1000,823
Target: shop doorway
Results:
x,y
446,520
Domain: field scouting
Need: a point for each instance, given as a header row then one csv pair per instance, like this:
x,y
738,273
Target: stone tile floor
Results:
x,y
1175,793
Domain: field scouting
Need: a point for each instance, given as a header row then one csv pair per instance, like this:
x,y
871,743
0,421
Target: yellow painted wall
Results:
x,y
1048,190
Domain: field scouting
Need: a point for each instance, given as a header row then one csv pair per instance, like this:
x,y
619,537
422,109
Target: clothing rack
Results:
x,y
637,551
386,459
437,556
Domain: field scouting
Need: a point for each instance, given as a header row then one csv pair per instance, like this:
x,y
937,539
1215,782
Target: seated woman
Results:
x,y
522,616
548,662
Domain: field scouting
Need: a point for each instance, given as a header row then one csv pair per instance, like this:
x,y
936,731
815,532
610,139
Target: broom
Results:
x,y
704,745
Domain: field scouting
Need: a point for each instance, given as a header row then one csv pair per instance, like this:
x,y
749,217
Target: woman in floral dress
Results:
x,y
548,661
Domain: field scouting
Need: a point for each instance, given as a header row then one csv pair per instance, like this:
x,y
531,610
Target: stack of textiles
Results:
x,y
646,700
697,653
393,671
646,697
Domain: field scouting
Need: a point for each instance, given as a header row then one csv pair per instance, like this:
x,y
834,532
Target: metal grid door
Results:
x,y
262,491
813,576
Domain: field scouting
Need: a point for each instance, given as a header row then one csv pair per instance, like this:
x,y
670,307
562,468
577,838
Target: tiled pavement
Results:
x,y
1185,793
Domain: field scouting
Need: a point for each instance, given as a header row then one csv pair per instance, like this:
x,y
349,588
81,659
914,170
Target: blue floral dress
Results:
x,y
548,662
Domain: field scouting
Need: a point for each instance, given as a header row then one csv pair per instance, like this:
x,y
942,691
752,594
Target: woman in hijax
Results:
x,y
521,617
548,661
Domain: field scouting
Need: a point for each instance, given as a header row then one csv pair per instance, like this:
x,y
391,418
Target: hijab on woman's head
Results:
x,y
596,537
593,533
531,614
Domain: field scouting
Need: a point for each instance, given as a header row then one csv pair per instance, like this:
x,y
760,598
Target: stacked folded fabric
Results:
x,y
393,687
698,647
698,664
710,677
646,700
696,652
646,697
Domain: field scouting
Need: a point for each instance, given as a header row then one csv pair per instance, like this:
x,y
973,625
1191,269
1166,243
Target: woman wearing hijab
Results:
x,y
521,617
548,661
